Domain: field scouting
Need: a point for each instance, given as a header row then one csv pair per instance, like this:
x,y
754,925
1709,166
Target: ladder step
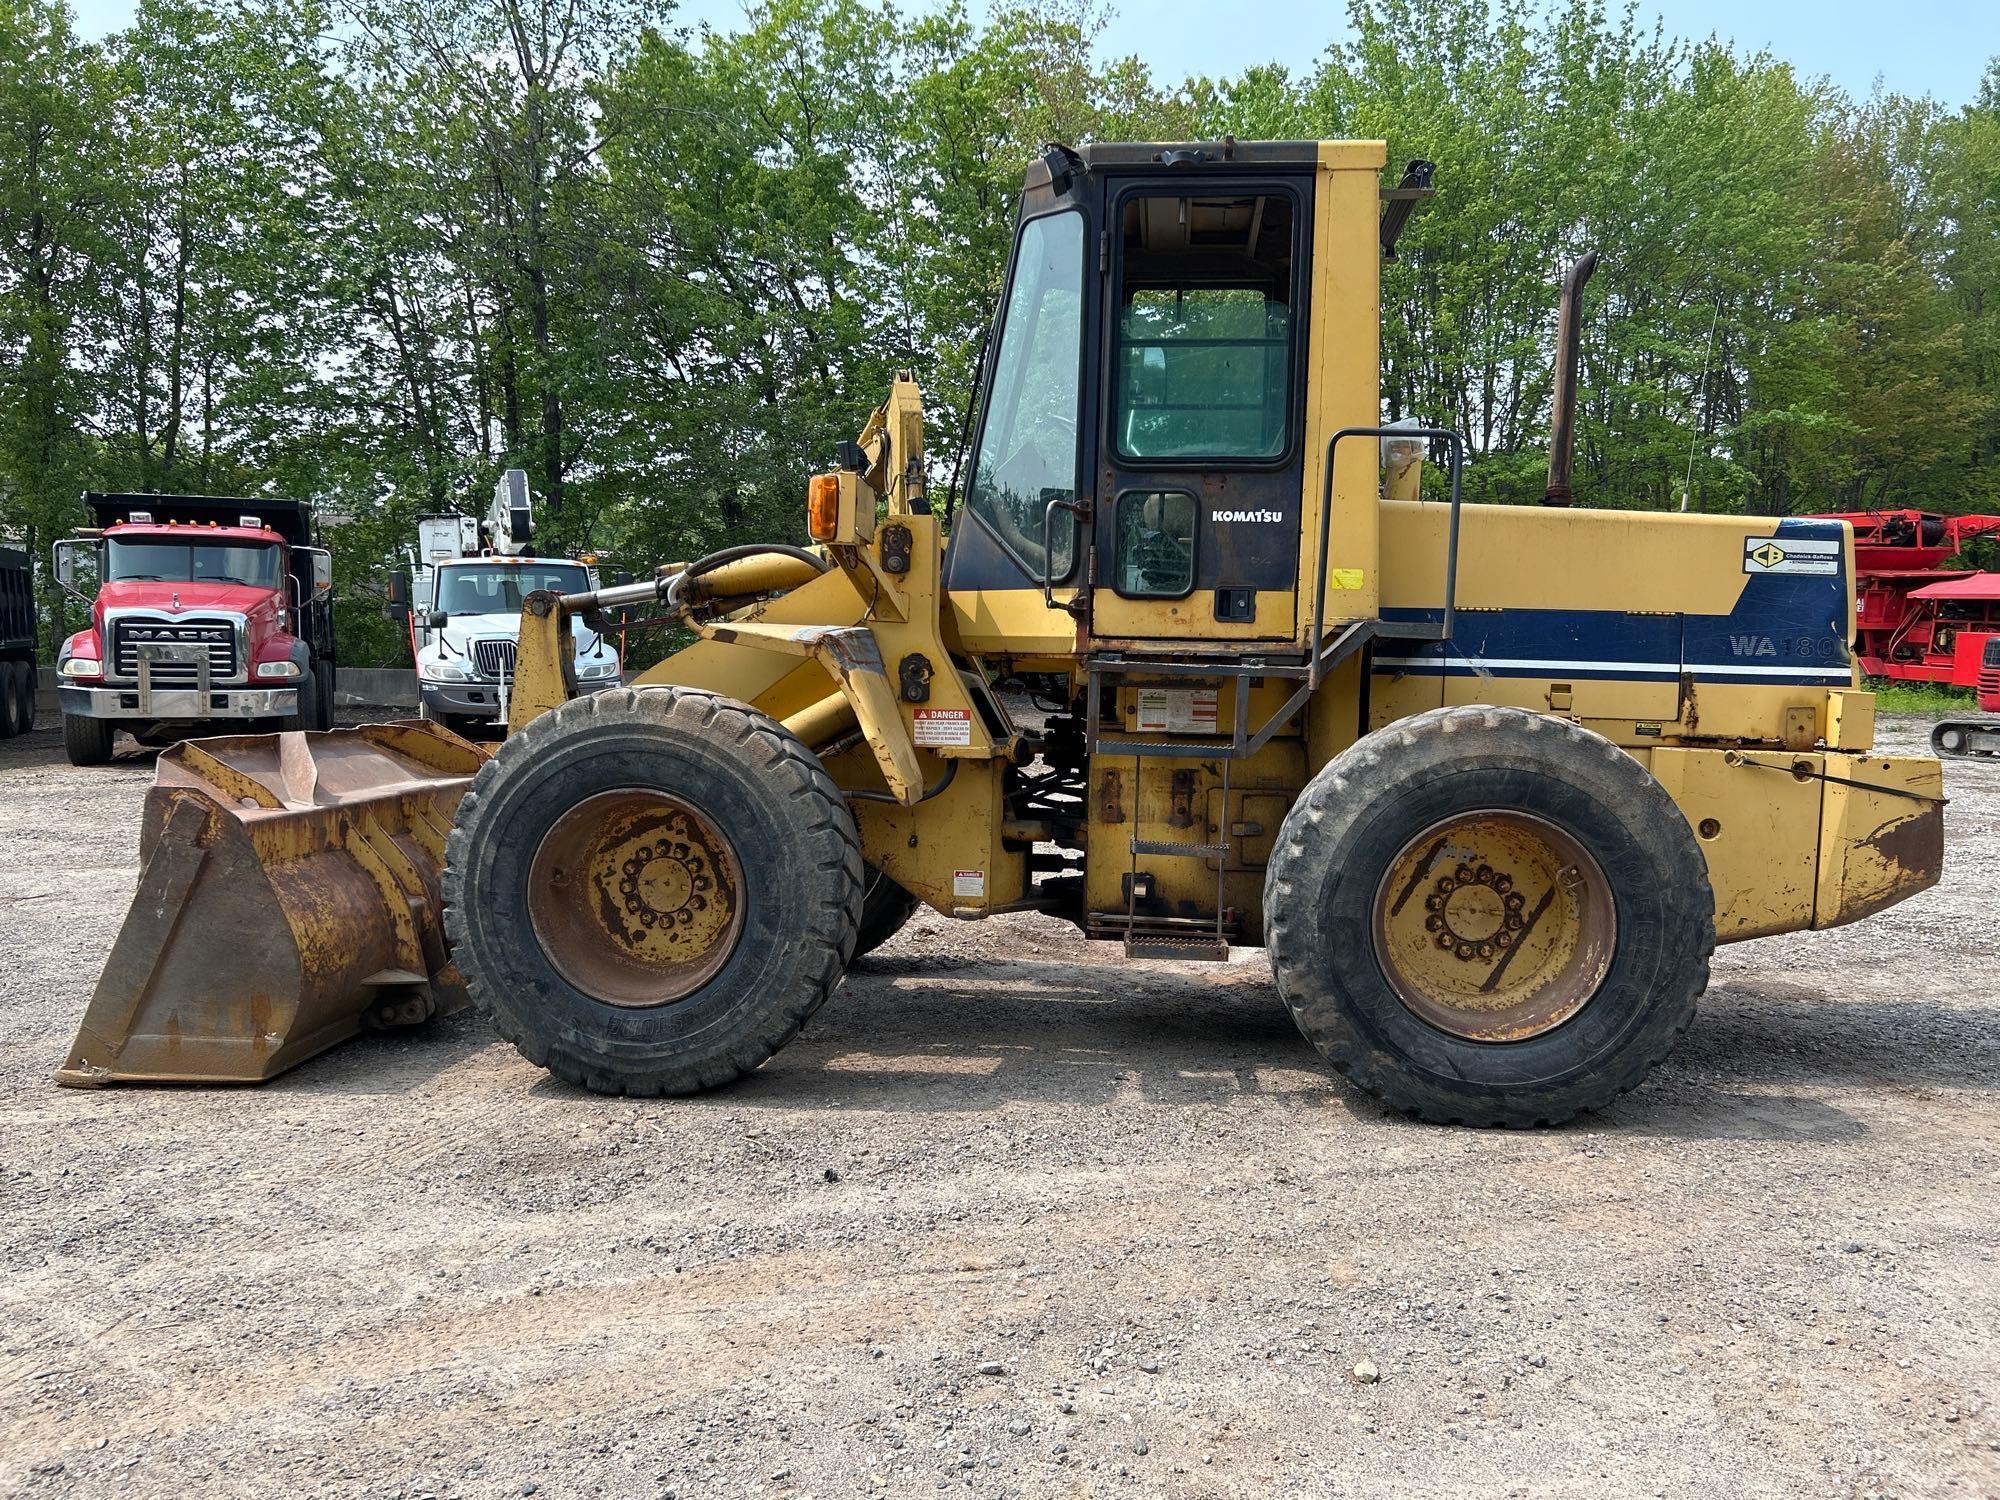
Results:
x,y
1184,949
1108,744
1189,851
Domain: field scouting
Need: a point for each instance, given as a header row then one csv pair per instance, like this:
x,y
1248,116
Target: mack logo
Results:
x,y
175,633
1261,517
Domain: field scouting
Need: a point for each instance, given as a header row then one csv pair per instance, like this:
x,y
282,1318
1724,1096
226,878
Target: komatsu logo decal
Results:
x,y
1261,517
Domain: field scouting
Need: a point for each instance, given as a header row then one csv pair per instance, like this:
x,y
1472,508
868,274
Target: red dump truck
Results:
x,y
207,615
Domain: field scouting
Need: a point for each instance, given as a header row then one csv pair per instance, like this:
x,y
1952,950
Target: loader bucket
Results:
x,y
288,896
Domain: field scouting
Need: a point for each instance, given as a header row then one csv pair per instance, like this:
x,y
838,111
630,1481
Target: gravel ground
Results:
x,y
1012,1218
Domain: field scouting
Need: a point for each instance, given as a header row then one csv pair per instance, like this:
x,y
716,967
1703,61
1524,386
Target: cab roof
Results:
x,y
190,531
290,520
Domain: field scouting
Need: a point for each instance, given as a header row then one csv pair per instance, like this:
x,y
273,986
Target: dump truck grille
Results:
x,y
494,659
219,636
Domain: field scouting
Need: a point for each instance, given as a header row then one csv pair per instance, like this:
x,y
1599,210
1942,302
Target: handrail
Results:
x,y
1411,629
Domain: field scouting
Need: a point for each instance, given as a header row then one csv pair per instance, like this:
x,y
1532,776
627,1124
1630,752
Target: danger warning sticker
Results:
x,y
944,726
969,883
1176,710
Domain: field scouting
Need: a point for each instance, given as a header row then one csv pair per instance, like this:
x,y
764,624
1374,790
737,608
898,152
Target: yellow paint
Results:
x,y
1343,364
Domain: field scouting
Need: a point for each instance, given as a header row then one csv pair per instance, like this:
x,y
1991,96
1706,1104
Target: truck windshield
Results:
x,y
499,588
252,563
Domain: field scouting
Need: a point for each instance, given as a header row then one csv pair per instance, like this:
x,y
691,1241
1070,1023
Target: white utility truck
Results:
x,y
467,580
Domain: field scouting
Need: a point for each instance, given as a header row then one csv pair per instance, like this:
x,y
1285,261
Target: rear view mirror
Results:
x,y
396,597
76,568
435,619
322,571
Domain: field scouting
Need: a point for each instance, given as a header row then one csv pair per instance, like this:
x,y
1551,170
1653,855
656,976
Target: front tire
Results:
x,y
87,741
1490,917
650,891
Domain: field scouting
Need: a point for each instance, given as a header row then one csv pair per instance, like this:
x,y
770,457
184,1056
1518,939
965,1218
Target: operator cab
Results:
x,y
1145,455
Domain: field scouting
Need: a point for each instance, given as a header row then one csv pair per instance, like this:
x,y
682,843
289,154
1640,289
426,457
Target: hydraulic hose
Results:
x,y
715,560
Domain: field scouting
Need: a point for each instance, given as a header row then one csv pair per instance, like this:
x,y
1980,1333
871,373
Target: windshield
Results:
x,y
252,563
1028,452
1992,657
499,588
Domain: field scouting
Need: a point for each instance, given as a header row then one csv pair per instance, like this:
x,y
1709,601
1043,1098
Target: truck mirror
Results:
x,y
79,584
396,597
622,577
436,619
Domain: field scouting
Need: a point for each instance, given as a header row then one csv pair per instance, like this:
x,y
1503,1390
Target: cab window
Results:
x,y
251,563
499,588
1205,331
1155,544
1027,452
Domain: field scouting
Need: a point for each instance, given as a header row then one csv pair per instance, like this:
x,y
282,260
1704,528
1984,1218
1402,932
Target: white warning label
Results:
x,y
944,726
1176,710
969,883
1776,554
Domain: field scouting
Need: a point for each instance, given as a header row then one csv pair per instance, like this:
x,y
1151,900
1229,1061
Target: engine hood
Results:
x,y
473,627
186,598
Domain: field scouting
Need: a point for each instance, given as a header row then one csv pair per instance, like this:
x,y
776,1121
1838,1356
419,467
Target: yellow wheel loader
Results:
x,y
1488,782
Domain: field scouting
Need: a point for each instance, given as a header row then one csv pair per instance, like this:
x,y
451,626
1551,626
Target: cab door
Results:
x,y
1016,546
1199,466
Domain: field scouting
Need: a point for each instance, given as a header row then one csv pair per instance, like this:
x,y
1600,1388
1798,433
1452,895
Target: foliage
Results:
x,y
1932,700
374,253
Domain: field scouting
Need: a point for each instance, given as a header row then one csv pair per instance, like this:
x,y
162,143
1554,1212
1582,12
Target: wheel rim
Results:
x,y
1494,925
636,897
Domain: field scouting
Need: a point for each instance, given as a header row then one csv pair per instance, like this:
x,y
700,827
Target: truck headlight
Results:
x,y
443,671
277,669
607,667
79,666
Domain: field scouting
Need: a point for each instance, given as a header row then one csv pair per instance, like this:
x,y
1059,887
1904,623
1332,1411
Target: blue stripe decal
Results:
x,y
1786,630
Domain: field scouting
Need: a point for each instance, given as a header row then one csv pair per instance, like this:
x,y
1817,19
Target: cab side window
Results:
x,y
1027,452
1205,329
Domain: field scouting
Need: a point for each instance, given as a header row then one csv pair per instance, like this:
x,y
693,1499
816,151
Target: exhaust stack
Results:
x,y
1562,426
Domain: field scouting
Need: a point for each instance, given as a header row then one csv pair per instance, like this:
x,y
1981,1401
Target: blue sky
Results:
x,y
1936,47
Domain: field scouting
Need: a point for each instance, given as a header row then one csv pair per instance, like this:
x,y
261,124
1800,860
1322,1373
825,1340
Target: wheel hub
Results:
x,y
636,897
1494,925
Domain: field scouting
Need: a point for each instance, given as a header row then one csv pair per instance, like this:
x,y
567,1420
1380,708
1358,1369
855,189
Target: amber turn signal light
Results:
x,y
823,507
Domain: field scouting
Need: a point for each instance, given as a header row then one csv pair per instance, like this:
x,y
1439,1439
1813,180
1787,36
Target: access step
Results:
x,y
1182,851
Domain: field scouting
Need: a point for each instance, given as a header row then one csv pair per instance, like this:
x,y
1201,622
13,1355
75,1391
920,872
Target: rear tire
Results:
x,y
535,882
1452,806
29,686
88,741
885,907
10,701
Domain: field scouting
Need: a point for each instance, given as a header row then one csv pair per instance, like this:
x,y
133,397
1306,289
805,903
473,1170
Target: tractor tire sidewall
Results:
x,y
795,845
885,907
306,715
88,741
1362,810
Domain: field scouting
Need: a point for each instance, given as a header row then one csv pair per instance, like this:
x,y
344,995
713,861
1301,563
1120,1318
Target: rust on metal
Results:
x,y
1111,798
289,895
636,897
1514,933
